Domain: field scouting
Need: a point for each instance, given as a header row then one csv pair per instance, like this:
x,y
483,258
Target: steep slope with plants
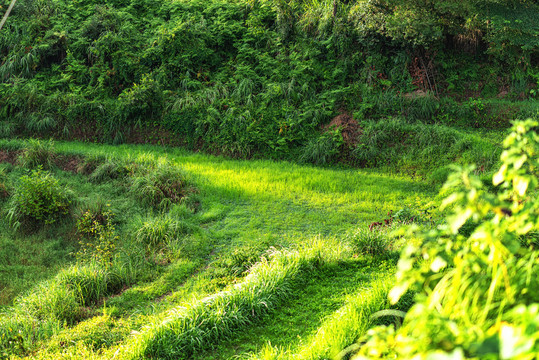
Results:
x,y
263,77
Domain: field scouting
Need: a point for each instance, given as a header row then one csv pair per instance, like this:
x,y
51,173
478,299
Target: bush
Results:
x,y
38,200
474,275
38,154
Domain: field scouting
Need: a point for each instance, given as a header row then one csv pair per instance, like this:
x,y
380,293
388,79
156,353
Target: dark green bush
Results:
x,y
324,149
38,199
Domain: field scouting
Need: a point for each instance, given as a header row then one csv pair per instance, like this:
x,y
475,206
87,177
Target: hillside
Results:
x,y
269,179
263,78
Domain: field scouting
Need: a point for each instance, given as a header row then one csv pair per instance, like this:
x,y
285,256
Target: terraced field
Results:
x,y
260,259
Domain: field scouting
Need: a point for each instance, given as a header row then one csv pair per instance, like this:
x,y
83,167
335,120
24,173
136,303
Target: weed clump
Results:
x,y
37,154
38,200
159,232
107,171
161,188
97,235
375,242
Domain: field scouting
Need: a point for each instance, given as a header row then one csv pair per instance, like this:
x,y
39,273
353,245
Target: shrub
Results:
x,y
38,153
476,287
38,200
98,235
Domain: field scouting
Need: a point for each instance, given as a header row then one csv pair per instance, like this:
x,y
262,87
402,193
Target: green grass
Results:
x,y
177,256
293,325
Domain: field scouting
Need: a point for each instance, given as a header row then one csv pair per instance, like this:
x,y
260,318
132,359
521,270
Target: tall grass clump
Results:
x,y
38,199
109,170
373,242
160,232
61,298
37,153
162,187
90,164
323,149
188,329
19,332
60,301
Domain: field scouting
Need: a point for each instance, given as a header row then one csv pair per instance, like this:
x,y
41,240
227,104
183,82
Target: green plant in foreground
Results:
x,y
477,293
38,199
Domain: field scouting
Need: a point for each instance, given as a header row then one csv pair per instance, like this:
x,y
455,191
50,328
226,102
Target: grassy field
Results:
x,y
285,234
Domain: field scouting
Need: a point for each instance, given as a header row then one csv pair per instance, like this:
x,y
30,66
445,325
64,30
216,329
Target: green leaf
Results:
x,y
520,183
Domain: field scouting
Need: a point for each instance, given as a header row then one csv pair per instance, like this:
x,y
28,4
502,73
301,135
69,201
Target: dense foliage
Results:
x,y
260,76
38,200
476,276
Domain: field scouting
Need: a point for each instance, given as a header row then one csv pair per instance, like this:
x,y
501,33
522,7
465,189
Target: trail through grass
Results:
x,y
244,205
294,324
